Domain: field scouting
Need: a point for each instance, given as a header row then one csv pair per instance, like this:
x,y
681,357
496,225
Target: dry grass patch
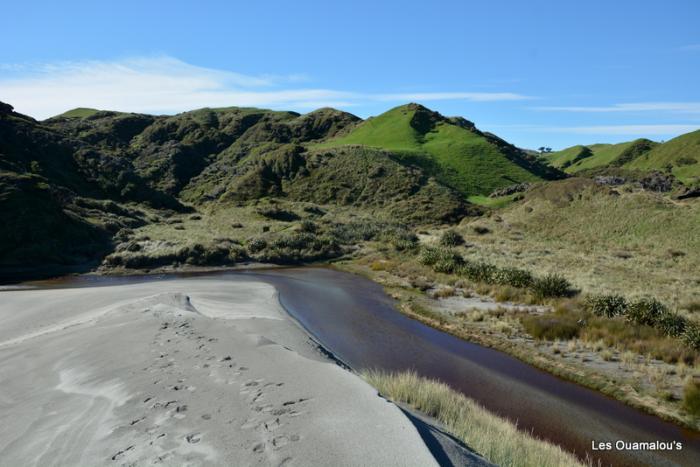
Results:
x,y
494,437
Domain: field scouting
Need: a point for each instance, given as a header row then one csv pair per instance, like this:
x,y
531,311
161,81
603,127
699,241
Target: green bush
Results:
x,y
607,305
308,226
514,277
442,260
551,285
295,241
691,335
552,326
356,231
691,397
256,244
401,239
478,272
646,311
451,238
273,212
672,324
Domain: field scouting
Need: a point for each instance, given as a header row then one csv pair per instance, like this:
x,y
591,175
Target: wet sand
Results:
x,y
198,371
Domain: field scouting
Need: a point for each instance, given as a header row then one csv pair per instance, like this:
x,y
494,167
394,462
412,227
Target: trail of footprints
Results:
x,y
155,428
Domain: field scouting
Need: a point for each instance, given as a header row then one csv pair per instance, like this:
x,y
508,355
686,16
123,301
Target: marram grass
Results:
x,y
495,438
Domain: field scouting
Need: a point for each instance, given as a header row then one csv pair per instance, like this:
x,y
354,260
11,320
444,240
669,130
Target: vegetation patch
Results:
x,y
559,325
496,439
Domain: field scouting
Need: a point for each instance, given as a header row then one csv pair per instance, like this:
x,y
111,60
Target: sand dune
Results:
x,y
181,372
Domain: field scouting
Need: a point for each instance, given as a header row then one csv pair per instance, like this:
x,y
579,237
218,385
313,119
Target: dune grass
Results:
x,y
495,438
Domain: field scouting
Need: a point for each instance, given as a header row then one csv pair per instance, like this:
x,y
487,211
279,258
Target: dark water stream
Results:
x,y
357,322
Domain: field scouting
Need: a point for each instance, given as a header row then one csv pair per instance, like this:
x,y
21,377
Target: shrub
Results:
x,y
442,260
551,285
272,212
672,324
607,305
637,338
308,226
295,241
451,238
481,230
691,397
402,240
256,244
691,335
356,231
646,311
478,272
514,277
552,326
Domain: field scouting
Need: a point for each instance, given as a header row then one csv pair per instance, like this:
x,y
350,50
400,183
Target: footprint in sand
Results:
x,y
121,453
193,438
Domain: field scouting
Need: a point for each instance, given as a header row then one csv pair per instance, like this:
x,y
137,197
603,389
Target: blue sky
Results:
x,y
535,72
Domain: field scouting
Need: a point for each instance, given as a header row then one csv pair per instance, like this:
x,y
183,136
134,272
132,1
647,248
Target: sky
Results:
x,y
537,73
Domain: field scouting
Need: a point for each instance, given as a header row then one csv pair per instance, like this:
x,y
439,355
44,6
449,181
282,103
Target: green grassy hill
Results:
x,y
450,149
565,158
577,158
682,154
79,112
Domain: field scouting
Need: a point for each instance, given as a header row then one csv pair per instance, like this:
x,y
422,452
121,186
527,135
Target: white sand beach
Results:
x,y
182,372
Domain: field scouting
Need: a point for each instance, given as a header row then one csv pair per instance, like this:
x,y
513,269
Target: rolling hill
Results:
x,y
680,155
450,149
577,158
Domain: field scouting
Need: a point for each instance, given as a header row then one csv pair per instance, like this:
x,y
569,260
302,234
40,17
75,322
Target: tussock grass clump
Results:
x,y
308,226
559,325
641,339
646,311
279,214
351,232
691,397
256,244
495,438
442,260
691,335
401,239
446,260
552,285
451,238
478,272
514,277
607,305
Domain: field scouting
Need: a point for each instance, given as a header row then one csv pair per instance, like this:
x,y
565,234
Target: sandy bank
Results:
x,y
181,372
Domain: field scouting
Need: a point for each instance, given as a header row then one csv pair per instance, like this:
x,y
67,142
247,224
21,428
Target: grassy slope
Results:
x,y
559,158
603,154
681,153
461,158
79,112
678,152
635,244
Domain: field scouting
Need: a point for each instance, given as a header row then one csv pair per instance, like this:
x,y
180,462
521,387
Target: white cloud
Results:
x,y
434,96
679,107
620,130
168,85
